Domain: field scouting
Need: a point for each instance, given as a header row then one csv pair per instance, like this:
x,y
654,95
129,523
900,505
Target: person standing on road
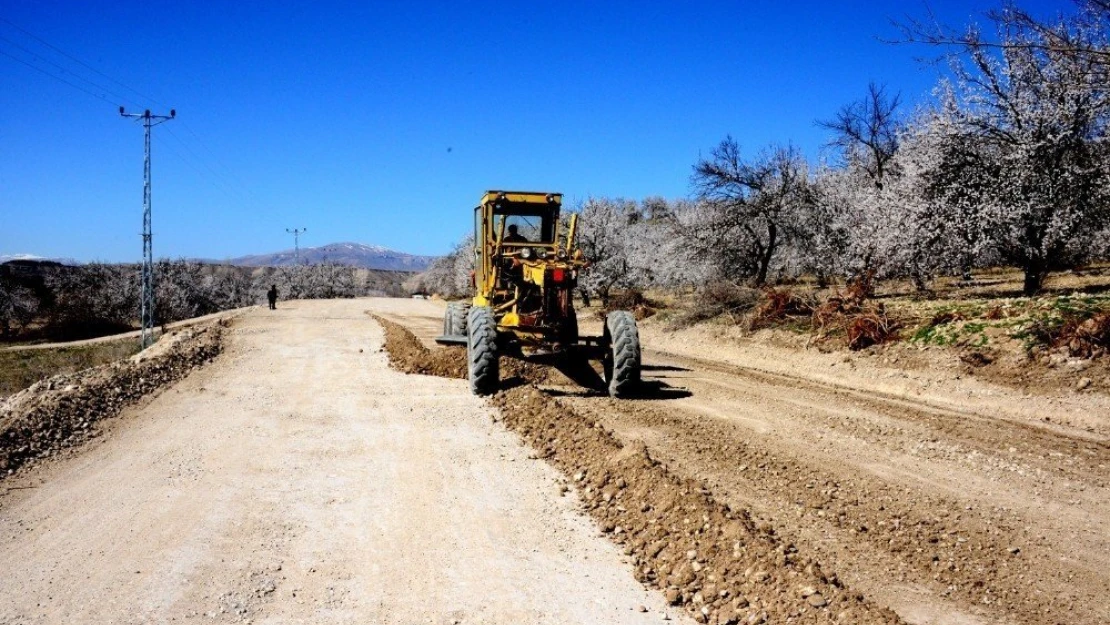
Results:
x,y
272,296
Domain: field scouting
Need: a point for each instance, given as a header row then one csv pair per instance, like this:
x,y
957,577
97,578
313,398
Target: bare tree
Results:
x,y
18,305
750,207
604,233
1077,35
866,132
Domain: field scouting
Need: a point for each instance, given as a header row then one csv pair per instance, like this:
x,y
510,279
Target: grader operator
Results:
x,y
526,267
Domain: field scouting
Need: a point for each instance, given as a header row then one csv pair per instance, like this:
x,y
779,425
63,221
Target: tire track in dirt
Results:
x,y
1050,464
704,555
949,518
986,559
1073,453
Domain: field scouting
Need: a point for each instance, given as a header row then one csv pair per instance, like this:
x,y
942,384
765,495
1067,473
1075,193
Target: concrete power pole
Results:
x,y
147,296
296,243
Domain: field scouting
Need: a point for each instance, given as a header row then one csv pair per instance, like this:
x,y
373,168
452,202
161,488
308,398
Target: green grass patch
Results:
x,y
21,368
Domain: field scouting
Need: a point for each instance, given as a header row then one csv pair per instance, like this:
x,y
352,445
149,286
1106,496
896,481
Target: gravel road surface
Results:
x,y
940,495
298,479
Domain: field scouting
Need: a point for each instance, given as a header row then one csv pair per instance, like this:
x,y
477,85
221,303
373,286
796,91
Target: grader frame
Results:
x,y
526,267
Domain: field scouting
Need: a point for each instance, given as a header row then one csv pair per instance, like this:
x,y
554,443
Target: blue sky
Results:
x,y
383,123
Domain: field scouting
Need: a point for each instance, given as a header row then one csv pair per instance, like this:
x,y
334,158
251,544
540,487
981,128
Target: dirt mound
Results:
x,y
63,411
703,555
408,354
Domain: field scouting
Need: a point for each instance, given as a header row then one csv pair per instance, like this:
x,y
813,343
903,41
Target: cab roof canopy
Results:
x,y
496,196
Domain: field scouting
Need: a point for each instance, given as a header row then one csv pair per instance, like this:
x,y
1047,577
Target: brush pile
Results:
x,y
853,317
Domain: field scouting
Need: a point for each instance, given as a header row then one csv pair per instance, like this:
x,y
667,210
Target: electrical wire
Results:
x,y
215,175
58,78
232,187
224,167
36,56
77,60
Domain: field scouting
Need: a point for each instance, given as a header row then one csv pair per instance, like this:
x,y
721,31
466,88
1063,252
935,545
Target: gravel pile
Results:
x,y
65,410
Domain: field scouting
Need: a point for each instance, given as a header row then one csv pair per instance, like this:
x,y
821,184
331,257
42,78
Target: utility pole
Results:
x,y
147,297
296,243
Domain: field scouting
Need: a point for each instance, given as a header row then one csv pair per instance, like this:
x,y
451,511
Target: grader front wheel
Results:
x,y
622,357
483,365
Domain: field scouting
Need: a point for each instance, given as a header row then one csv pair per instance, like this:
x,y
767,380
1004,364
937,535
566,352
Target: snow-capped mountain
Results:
x,y
354,254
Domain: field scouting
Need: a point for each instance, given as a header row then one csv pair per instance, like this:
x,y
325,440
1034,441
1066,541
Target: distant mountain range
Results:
x,y
4,258
353,254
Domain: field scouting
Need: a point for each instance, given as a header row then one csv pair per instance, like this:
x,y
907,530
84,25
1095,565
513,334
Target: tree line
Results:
x,y
99,298
1008,166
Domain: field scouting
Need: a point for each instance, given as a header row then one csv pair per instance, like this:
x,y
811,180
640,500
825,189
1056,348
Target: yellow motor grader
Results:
x,y
526,268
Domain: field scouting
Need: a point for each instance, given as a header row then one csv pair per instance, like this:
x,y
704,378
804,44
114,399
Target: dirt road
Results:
x,y
300,480
948,500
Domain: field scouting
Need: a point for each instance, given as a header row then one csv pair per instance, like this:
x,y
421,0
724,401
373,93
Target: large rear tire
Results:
x,y
483,365
622,358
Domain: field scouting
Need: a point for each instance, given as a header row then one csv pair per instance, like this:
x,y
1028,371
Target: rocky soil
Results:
x,y
300,479
931,492
66,410
704,555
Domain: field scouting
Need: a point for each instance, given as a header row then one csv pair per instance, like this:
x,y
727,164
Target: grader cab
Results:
x,y
526,267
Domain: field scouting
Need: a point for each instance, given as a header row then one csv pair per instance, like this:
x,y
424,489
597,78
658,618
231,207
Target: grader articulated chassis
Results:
x,y
526,267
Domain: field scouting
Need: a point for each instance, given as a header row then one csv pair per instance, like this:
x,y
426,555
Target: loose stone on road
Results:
x,y
298,479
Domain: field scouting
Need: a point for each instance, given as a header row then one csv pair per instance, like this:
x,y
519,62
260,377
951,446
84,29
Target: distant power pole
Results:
x,y
147,296
296,243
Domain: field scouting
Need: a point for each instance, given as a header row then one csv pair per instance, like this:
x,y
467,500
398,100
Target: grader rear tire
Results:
x,y
483,365
622,360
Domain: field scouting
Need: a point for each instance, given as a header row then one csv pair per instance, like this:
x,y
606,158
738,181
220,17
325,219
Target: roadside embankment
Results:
x,y
65,410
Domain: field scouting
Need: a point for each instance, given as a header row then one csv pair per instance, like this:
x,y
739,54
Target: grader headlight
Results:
x,y
526,253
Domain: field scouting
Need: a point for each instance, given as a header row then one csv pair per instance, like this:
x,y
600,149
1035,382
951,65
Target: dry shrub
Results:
x,y
716,299
634,301
852,315
869,327
778,305
942,318
1088,338
861,287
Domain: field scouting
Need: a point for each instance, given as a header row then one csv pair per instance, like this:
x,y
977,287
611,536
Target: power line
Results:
x,y
191,165
227,183
77,60
245,188
218,182
37,57
296,243
58,78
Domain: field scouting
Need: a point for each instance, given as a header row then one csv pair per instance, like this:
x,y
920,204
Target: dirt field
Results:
x,y
942,496
297,479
